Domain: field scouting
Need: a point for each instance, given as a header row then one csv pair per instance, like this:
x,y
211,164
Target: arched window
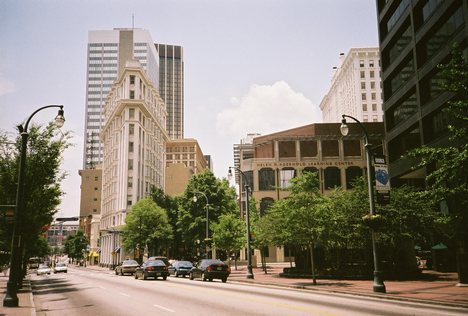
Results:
x,y
266,179
332,177
286,174
352,173
265,204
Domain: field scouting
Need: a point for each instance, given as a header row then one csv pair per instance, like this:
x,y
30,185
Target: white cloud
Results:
x,y
267,109
5,86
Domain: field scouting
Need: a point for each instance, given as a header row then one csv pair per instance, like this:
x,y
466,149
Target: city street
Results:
x,y
83,291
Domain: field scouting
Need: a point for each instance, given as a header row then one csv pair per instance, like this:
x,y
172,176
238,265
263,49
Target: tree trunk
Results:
x,y
462,263
312,263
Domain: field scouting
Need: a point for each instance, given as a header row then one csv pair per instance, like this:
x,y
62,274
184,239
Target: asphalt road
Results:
x,y
88,292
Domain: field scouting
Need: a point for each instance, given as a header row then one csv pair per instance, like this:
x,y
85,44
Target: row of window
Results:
x,y
370,64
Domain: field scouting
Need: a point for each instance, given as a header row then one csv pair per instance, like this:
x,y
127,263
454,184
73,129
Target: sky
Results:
x,y
251,66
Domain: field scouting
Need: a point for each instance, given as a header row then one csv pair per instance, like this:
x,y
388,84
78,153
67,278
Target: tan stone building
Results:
x,y
320,148
184,158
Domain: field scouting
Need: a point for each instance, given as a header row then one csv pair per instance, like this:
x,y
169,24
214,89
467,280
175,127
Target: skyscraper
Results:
x,y
171,87
108,51
416,36
355,88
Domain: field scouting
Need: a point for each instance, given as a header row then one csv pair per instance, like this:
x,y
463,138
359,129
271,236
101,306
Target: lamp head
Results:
x,y
229,174
60,119
344,129
194,198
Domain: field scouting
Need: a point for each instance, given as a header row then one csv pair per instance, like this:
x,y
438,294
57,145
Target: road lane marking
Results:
x,y
164,308
124,294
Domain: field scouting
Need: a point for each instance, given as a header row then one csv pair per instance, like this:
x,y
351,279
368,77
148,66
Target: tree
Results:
x,y
76,245
229,234
447,166
192,214
146,225
42,181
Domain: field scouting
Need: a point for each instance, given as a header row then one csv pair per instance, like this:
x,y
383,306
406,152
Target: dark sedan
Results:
x,y
152,269
180,268
127,266
209,269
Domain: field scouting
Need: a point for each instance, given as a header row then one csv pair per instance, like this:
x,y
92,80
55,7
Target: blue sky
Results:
x,y
250,65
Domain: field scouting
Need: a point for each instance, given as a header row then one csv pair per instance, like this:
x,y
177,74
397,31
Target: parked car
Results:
x,y
60,267
127,266
43,269
209,269
152,269
180,268
164,259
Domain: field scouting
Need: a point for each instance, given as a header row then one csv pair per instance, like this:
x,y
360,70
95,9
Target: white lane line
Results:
x,y
164,308
102,287
124,294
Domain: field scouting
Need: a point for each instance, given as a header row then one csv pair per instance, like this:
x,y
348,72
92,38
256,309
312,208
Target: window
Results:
x,y
332,178
130,164
372,85
352,148
96,178
95,188
130,147
330,148
373,98
364,107
371,74
131,129
363,96
352,173
308,148
363,85
287,149
131,113
266,179
363,74
132,79
361,63
132,94
265,204
371,63
286,174
374,107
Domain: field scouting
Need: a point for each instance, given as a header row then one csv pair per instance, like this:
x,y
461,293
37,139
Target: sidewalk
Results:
x,y
439,288
435,288
25,299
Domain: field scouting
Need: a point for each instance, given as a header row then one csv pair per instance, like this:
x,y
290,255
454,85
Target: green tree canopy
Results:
x,y
76,245
147,224
229,233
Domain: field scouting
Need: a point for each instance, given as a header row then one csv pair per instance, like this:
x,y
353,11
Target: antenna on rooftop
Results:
x,y
133,21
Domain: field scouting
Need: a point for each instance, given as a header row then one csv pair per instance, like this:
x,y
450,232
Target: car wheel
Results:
x,y
224,280
210,279
191,276
176,274
136,276
183,275
121,273
203,277
144,276
164,278
116,272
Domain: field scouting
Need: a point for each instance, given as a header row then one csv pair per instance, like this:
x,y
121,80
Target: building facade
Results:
x,y
134,139
184,158
355,88
273,160
171,87
108,51
415,36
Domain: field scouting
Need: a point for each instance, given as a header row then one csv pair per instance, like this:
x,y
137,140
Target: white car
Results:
x,y
60,267
43,269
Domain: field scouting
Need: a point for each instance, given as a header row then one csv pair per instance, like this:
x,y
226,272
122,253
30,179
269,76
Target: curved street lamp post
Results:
x,y
11,297
379,285
250,274
207,234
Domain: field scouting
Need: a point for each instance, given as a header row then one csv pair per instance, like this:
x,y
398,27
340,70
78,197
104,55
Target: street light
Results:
x,y
207,221
11,297
379,285
250,274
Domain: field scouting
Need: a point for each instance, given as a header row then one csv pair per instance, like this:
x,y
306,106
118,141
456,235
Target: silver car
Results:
x,y
43,269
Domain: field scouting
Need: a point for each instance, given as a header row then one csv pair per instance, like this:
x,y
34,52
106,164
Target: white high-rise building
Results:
x,y
108,51
355,88
134,138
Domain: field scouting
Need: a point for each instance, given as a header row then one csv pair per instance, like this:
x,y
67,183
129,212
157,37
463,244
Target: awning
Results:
x,y
93,254
439,246
117,250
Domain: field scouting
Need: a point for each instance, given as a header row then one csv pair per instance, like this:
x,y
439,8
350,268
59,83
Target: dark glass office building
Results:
x,y
415,36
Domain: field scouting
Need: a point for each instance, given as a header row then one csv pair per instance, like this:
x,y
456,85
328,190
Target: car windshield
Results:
x,y
61,265
155,263
129,262
185,264
43,266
